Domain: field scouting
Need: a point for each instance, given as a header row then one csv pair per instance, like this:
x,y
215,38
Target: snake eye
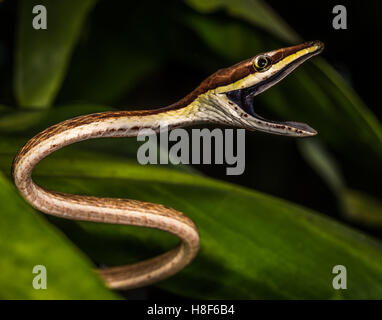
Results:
x,y
262,63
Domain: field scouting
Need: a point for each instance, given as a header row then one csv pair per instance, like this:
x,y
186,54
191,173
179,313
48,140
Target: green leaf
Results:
x,y
362,208
13,122
42,56
256,12
252,245
215,34
27,240
323,163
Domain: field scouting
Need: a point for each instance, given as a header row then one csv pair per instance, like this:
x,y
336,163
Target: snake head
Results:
x,y
232,90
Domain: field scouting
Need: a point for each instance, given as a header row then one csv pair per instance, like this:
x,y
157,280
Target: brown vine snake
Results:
x,y
225,98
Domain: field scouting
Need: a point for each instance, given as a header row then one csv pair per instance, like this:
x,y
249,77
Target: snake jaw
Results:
x,y
253,121
241,96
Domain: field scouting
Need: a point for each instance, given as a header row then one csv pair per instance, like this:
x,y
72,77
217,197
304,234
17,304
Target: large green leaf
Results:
x,y
252,245
43,55
27,240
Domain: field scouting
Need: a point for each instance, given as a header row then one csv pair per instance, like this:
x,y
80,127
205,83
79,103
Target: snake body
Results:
x,y
222,98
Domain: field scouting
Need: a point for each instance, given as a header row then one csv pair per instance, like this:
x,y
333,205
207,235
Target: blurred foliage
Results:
x,y
42,56
256,12
252,245
362,208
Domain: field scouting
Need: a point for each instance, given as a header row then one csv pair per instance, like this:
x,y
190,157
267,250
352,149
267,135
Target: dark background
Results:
x,y
273,163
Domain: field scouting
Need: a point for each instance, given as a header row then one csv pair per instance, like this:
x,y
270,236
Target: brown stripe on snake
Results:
x,y
117,203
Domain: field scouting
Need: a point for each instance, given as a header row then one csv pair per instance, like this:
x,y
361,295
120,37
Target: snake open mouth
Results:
x,y
244,98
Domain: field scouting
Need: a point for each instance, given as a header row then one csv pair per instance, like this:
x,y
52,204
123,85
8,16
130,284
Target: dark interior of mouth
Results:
x,y
244,98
